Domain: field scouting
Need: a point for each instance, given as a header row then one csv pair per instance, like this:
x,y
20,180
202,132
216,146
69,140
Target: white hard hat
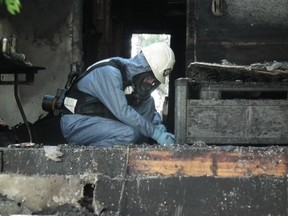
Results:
x,y
160,58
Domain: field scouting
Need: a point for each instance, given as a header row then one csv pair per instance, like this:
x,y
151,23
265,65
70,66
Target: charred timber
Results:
x,y
183,160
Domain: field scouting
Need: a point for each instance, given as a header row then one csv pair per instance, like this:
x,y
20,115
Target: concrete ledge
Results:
x,y
46,191
224,162
145,180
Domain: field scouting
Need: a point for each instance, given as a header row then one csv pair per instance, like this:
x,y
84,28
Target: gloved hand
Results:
x,y
162,128
156,118
162,137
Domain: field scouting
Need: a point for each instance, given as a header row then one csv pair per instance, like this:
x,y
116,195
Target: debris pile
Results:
x,y
267,72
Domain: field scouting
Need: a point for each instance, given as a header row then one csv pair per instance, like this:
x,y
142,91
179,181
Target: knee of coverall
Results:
x,y
79,131
131,136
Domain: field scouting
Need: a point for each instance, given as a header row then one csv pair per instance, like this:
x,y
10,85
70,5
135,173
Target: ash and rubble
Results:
x,y
9,206
266,72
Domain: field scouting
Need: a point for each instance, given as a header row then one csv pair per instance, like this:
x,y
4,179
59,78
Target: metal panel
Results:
x,y
181,93
237,121
216,120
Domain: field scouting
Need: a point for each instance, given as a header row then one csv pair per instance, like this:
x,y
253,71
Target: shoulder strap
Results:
x,y
87,104
113,63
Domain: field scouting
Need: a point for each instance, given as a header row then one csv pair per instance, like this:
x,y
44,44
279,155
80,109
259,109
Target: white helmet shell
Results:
x,y
160,58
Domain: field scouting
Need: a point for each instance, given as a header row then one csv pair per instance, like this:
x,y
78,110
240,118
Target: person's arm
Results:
x,y
105,83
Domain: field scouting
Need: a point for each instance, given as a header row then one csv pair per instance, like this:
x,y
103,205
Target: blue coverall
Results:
x,y
134,124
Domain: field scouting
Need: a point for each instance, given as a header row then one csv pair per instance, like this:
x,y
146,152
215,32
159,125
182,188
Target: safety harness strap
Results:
x,y
86,104
113,63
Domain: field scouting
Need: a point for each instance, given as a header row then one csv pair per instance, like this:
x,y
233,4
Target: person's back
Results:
x,y
121,109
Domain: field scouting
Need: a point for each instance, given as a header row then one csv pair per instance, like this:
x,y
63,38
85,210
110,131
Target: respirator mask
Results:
x,y
144,84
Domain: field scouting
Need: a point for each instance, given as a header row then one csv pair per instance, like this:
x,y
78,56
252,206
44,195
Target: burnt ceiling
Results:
x,y
127,8
149,13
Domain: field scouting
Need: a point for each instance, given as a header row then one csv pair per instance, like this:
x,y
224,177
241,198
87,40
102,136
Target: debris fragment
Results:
x,y
53,153
22,145
199,144
265,72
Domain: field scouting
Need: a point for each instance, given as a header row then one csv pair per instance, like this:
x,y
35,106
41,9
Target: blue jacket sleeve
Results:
x,y
105,83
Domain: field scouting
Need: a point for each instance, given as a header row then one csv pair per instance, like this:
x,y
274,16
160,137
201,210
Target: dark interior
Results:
x,y
128,17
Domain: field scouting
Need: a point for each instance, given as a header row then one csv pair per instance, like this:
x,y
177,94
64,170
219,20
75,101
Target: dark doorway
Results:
x,y
109,25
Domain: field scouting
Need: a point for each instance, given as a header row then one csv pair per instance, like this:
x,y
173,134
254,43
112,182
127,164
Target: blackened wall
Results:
x,y
48,35
243,32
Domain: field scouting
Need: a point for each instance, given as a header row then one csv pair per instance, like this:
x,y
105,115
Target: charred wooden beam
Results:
x,y
215,161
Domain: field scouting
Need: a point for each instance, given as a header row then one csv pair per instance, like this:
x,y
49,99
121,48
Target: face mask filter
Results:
x,y
144,84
